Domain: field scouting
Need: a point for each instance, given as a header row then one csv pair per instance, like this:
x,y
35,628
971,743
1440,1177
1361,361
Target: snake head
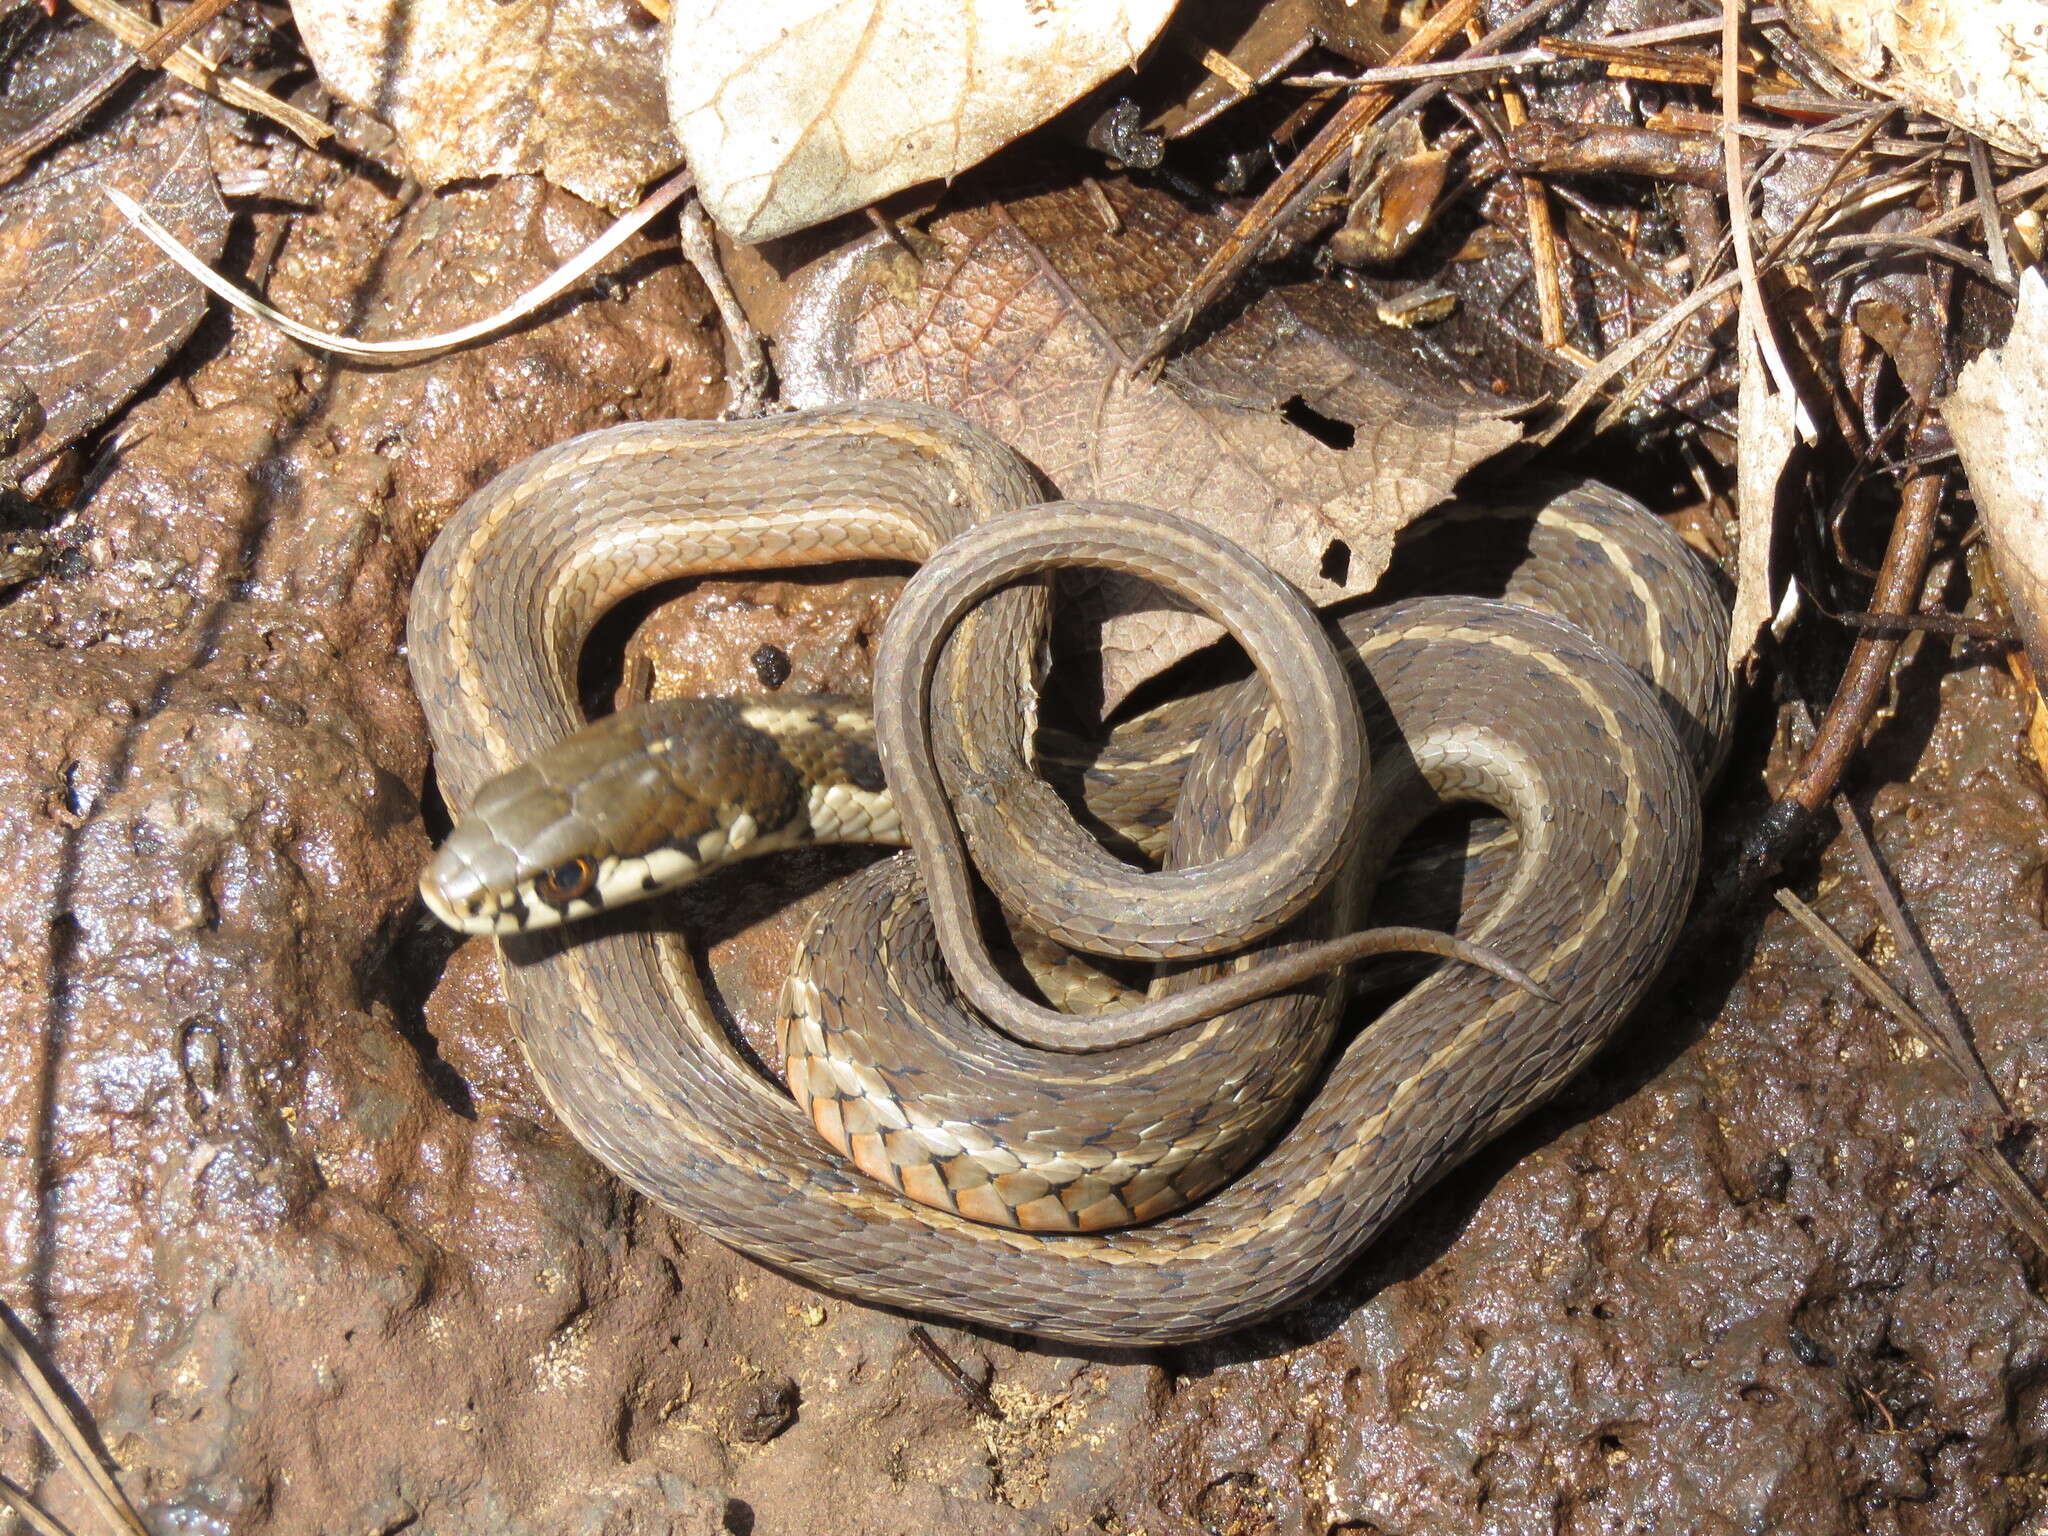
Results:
x,y
642,802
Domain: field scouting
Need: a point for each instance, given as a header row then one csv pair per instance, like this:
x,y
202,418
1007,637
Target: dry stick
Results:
x,y
1602,373
1987,202
1952,1035
177,34
1956,218
1758,319
1543,245
1679,31
2021,1204
750,397
1928,623
1449,69
1788,819
1306,174
201,73
32,1388
1899,579
977,1395
16,1498
1941,250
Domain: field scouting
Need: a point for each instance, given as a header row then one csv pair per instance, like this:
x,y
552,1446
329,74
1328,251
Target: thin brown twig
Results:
x,y
202,74
190,22
1941,250
1956,218
749,396
23,1374
1544,258
1928,623
2022,1205
977,1395
16,1498
1987,204
1607,368
1952,1036
1447,69
1899,578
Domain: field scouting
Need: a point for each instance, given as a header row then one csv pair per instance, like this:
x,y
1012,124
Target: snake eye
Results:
x,y
566,881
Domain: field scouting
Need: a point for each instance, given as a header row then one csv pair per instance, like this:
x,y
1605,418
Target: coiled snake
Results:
x,y
1465,699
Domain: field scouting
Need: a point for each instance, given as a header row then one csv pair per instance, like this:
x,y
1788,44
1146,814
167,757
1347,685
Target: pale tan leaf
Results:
x,y
1980,64
1302,427
565,89
793,111
1999,417
1766,428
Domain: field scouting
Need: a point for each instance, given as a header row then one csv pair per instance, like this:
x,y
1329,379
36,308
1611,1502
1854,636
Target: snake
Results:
x,y
1595,762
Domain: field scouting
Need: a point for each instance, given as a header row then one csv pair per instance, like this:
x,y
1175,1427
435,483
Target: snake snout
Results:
x,y
469,881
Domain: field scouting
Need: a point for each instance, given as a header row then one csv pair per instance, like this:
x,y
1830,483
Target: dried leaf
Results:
x,y
1302,428
794,111
1980,64
565,89
1999,418
1766,428
95,309
44,63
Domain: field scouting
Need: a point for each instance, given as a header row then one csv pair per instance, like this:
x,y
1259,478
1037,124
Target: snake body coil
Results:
x,y
1464,700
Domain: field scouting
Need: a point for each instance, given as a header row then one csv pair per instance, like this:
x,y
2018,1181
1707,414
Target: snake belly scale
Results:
x,y
1463,699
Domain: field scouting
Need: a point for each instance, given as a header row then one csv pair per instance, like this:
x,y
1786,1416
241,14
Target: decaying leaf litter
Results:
x,y
1310,273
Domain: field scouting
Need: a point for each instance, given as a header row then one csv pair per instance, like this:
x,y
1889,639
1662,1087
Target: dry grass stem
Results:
x,y
416,348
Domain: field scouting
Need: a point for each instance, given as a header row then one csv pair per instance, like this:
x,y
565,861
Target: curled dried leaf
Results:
x,y
794,112
1303,427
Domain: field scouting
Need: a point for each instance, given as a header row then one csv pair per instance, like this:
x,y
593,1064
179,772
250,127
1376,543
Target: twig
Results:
x,y
1956,218
32,1388
1928,623
977,1395
749,397
1679,31
1448,69
1624,63
2021,1204
1987,203
423,346
193,20
1307,173
1952,1035
202,74
1544,260
16,1498
1969,261
1754,314
1609,367
1899,578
